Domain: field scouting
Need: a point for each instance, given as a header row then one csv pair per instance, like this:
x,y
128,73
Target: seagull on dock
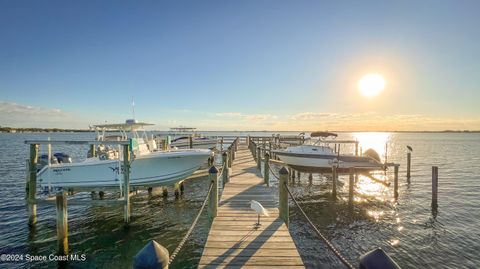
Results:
x,y
259,209
409,148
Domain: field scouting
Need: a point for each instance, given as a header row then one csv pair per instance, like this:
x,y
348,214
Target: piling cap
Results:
x,y
224,153
266,154
152,256
283,171
213,170
377,259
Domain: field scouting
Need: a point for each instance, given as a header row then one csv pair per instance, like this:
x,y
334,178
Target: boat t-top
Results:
x,y
149,166
181,138
318,157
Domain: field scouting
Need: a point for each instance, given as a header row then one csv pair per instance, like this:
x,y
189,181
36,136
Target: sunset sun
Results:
x,y
371,85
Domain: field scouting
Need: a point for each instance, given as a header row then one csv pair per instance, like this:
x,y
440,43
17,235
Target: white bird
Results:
x,y
259,209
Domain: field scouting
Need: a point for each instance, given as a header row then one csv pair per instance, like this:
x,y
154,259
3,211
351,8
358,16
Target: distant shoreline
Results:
x,y
60,130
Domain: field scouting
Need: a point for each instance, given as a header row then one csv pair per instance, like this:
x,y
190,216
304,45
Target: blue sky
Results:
x,y
240,65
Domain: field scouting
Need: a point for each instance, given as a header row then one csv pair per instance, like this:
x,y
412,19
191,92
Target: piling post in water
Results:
x,y
395,182
334,180
350,187
298,175
356,148
164,192
176,190
259,158
92,152
62,223
266,170
126,182
221,143
213,199
310,178
283,196
190,141
409,162
182,187
32,185
225,178
434,187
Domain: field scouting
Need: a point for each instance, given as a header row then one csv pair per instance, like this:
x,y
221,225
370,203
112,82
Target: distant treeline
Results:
x,y
36,130
54,130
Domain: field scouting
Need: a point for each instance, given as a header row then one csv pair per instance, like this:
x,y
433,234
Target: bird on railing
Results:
x,y
409,148
259,209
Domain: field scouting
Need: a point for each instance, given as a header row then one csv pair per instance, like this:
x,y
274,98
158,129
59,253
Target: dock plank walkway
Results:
x,y
233,240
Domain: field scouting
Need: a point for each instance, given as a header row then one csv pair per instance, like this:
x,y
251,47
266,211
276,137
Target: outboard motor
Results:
x,y
372,154
62,157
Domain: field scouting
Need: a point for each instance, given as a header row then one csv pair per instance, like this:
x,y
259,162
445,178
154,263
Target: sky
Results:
x,y
240,65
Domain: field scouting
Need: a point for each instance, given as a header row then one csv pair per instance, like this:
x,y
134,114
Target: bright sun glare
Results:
x,y
371,85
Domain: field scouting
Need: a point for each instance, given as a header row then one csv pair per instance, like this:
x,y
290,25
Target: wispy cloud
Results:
x,y
249,117
18,115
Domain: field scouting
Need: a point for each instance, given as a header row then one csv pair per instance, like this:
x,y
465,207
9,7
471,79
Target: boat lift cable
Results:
x,y
194,223
324,239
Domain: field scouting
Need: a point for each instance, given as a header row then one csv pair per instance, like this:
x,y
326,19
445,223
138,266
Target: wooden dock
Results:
x,y
234,241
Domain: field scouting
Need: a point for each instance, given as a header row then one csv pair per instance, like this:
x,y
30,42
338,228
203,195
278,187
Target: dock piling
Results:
x,y
283,196
434,186
310,178
259,158
266,170
395,182
190,141
126,182
62,223
409,162
226,165
350,187
213,199
32,185
230,156
334,180
176,190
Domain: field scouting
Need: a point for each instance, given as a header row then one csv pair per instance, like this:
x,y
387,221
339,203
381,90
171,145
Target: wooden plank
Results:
x,y
234,241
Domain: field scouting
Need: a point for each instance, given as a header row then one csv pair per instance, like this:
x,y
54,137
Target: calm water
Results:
x,y
408,229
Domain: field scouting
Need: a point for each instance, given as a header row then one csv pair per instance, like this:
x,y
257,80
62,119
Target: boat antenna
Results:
x,y
133,108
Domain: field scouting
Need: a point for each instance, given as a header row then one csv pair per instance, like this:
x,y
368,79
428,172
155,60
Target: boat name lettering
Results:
x,y
59,170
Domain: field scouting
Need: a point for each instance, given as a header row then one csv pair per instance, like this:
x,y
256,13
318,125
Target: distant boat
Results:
x,y
319,157
181,139
149,166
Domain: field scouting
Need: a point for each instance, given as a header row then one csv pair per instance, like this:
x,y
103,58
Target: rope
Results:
x,y
194,223
271,171
324,239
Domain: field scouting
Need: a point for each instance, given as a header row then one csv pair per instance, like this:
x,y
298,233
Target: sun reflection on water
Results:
x,y
375,141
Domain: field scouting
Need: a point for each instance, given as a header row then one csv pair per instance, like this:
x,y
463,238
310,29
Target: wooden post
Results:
x,y
225,178
248,141
395,182
176,190
334,180
190,141
266,170
62,223
409,161
283,196
164,192
335,150
182,187
310,178
230,156
213,199
434,186
126,182
92,152
293,174
298,175
350,187
259,158
356,148
32,185
221,143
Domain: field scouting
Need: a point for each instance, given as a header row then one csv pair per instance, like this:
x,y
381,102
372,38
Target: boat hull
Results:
x,y
154,169
319,163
